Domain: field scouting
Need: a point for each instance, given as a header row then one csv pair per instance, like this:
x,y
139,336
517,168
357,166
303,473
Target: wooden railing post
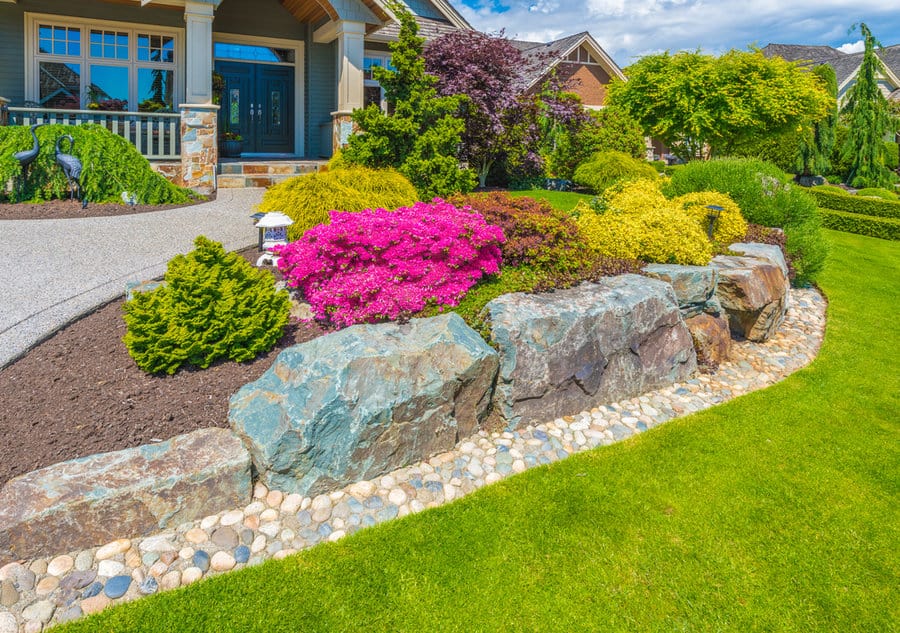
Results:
x,y
4,111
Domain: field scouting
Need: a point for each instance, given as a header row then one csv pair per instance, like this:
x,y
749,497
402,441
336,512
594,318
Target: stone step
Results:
x,y
240,174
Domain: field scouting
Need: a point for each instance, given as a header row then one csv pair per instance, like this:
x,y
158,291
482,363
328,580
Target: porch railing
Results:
x,y
155,135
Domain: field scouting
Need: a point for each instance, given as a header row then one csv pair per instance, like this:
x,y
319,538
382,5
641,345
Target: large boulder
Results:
x,y
753,292
567,351
134,492
767,252
694,286
712,339
361,402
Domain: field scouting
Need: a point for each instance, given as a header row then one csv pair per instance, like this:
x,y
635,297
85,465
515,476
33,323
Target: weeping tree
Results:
x,y
869,119
816,140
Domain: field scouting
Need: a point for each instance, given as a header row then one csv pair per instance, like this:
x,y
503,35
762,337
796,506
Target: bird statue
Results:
x,y
71,167
27,157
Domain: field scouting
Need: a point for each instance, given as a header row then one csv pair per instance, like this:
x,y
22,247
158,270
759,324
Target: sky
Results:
x,y
628,29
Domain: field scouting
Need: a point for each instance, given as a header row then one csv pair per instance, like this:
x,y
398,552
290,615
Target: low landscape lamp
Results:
x,y
273,229
713,216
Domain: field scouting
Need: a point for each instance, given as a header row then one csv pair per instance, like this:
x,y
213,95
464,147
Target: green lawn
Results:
x,y
565,200
777,511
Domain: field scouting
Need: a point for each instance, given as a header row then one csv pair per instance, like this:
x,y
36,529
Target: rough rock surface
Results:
x,y
712,339
695,286
93,500
754,294
360,402
768,252
567,351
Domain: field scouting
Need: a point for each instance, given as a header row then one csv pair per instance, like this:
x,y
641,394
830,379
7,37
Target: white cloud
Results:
x,y
628,29
852,47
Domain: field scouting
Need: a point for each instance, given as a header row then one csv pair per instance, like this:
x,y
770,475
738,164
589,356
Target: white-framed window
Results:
x,y
581,55
76,64
372,90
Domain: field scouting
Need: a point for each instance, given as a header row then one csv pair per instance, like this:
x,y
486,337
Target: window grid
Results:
x,y
59,40
109,44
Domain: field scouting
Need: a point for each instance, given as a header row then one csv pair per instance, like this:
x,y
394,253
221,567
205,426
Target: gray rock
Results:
x,y
767,252
361,402
94,500
132,287
42,611
8,594
754,295
225,537
712,339
693,285
565,352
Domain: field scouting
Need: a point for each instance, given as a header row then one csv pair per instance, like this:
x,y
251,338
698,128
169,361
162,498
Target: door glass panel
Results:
x,y
60,85
155,87
234,107
250,53
276,108
109,88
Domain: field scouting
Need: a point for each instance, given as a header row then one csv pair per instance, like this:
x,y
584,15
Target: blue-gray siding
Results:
x,y
321,94
424,9
12,50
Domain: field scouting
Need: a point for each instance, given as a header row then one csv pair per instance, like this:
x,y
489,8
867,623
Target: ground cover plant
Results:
x,y
758,189
377,265
111,164
308,200
775,511
213,305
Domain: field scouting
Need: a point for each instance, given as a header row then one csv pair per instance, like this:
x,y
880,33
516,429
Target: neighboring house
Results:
x,y
580,63
293,70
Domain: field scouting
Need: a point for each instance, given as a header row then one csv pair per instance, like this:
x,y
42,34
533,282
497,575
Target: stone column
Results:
x,y
350,53
4,112
199,146
198,17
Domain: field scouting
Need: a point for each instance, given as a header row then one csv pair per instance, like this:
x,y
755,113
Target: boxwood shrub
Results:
x,y
829,199
604,169
885,228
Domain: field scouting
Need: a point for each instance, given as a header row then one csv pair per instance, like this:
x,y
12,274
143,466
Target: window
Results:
x,y
582,56
253,53
373,92
89,66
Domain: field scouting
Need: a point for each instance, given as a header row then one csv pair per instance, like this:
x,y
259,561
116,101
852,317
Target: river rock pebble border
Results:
x,y
36,594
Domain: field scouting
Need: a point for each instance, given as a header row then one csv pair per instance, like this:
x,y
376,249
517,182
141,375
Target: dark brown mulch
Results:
x,y
69,209
80,393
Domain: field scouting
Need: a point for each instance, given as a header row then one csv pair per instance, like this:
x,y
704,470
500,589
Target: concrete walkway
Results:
x,y
54,271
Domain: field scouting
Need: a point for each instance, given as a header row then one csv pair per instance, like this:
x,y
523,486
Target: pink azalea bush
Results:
x,y
377,264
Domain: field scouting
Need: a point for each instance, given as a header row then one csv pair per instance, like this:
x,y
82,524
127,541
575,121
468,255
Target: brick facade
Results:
x,y
588,81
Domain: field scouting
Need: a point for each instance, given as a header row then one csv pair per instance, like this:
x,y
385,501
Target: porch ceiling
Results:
x,y
316,10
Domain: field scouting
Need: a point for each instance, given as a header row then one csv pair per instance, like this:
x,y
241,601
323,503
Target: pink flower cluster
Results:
x,y
377,264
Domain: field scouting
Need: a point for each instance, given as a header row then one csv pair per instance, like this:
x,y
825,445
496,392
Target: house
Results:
x,y
289,72
580,63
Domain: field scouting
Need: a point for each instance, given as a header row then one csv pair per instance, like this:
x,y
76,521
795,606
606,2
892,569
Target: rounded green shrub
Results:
x,y
111,165
874,192
604,169
213,305
758,189
307,200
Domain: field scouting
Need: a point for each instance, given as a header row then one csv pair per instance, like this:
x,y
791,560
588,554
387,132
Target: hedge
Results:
x,y
834,201
884,228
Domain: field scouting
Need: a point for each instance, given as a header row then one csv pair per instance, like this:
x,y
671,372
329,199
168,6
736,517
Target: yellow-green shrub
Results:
x,y
307,200
638,222
730,227
604,169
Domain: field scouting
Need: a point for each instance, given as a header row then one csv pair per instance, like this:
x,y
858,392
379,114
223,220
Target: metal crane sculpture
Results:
x,y
72,168
25,159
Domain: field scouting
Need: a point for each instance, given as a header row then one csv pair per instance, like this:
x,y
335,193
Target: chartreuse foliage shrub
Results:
x,y
376,264
730,226
537,235
875,192
605,169
213,305
758,189
111,165
885,228
307,200
636,221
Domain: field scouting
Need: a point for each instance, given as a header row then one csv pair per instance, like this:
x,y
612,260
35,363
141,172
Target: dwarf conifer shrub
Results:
x,y
376,265
537,234
111,165
307,200
605,169
730,226
635,221
213,305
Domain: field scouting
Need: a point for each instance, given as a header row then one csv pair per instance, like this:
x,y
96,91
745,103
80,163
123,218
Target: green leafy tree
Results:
x,y
869,118
421,137
701,105
609,129
816,140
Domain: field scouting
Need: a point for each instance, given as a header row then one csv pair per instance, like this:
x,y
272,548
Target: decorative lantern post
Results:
x,y
272,232
713,216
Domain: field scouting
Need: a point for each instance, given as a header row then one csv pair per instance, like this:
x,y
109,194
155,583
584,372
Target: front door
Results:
x,y
258,104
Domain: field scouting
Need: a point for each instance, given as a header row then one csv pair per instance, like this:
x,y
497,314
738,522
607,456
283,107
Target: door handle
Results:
x,y
251,111
259,112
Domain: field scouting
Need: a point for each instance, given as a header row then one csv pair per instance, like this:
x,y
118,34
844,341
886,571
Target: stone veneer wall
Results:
x,y
199,146
170,170
4,113
339,123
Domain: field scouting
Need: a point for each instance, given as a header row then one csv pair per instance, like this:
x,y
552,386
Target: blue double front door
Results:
x,y
258,104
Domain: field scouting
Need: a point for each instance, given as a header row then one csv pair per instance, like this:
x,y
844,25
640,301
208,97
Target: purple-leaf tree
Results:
x,y
493,73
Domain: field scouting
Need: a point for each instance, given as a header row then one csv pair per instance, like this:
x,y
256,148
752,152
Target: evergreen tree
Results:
x,y
868,115
817,140
421,137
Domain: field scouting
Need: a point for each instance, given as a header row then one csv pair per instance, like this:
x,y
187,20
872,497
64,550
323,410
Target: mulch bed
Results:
x,y
70,209
80,393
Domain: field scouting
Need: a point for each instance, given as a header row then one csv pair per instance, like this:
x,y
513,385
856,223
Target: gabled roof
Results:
x,y
799,52
845,65
428,28
549,54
